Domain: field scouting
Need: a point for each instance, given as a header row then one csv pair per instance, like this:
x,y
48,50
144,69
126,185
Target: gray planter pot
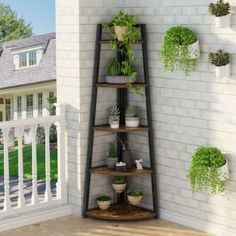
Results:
x,y
111,162
131,122
119,79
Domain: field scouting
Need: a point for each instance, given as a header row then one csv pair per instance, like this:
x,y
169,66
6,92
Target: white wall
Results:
x,y
187,112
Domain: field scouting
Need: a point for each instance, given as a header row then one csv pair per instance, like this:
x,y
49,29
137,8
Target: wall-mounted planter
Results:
x,y
120,31
223,21
194,50
119,79
224,171
223,71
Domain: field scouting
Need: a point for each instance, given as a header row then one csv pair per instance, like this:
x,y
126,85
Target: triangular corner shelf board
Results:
x,y
119,211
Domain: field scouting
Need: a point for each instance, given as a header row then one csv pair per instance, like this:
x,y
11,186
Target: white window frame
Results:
x,y
19,107
8,109
28,58
29,108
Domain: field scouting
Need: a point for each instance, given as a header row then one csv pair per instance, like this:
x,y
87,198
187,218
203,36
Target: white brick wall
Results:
x,y
187,112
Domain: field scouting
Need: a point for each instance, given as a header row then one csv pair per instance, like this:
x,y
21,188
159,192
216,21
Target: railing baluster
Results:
x,y
48,192
7,200
34,198
21,197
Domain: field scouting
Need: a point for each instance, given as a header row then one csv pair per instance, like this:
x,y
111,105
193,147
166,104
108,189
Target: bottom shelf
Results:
x,y
121,213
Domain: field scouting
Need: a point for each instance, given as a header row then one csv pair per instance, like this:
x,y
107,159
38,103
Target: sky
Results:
x,y
41,13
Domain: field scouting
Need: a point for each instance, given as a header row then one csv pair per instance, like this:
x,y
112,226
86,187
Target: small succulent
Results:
x,y
104,198
112,149
220,8
132,111
119,180
219,58
115,113
135,191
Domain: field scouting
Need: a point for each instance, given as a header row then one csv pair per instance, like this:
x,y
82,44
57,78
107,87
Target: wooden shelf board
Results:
x,y
121,213
103,170
107,85
121,129
118,42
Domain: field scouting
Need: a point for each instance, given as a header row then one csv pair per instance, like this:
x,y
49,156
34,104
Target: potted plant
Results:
x,y
112,157
104,202
180,49
119,183
208,169
132,116
221,60
119,73
135,195
221,11
114,118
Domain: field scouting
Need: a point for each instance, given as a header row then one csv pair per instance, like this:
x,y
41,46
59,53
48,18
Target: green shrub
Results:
x,y
104,198
132,111
203,172
112,149
119,180
219,58
220,8
174,51
135,191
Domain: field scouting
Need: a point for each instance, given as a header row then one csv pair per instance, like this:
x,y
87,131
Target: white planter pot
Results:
x,y
104,205
223,21
223,71
135,200
114,124
224,171
120,31
131,122
119,188
194,50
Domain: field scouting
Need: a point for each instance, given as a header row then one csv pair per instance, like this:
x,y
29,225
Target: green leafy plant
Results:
x,y
115,114
219,58
203,172
103,198
124,47
220,8
112,149
119,180
175,52
135,191
132,111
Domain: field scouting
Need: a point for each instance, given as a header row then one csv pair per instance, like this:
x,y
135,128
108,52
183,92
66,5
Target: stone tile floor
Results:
x,y
77,226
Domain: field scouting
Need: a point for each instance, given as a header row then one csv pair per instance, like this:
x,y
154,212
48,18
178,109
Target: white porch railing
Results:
x,y
46,197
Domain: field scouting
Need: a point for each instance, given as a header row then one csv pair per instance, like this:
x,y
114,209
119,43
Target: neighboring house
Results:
x,y
28,77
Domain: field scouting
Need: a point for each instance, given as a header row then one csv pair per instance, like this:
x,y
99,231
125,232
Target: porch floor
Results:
x,y
77,226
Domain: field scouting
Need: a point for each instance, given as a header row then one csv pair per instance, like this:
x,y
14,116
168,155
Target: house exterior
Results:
x,y
27,78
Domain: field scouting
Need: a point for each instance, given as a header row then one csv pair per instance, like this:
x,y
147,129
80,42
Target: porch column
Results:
x,y
23,101
45,103
15,107
35,105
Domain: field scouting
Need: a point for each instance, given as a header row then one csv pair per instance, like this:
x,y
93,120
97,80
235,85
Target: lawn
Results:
x,y
27,157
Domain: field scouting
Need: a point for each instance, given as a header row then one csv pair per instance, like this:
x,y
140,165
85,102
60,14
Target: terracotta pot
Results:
x,y
194,50
120,31
119,79
104,205
223,71
223,21
131,122
119,188
135,200
111,162
224,171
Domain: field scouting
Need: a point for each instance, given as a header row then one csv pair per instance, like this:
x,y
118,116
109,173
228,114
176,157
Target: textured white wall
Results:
x,y
187,111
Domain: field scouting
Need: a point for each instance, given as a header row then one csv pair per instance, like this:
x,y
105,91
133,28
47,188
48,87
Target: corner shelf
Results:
x,y
106,85
102,170
103,41
121,213
121,129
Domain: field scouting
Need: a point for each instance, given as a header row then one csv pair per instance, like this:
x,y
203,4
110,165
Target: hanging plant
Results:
x,y
221,60
180,49
221,11
208,169
127,34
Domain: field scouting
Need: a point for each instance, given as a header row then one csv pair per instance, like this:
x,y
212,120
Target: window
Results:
x,y
40,104
19,108
8,109
29,106
52,99
27,59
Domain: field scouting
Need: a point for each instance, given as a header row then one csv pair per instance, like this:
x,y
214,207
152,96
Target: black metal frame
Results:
x,y
122,98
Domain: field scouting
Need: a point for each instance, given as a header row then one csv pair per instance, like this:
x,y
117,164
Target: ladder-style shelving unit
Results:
x,y
120,210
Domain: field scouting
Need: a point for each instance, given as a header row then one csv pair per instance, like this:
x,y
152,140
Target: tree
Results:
x,y
11,25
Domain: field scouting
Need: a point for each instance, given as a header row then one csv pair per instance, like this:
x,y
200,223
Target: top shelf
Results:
x,y
118,42
109,85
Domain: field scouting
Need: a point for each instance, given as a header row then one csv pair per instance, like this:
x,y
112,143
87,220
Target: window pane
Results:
x,y
8,109
32,58
22,59
19,109
29,106
40,104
